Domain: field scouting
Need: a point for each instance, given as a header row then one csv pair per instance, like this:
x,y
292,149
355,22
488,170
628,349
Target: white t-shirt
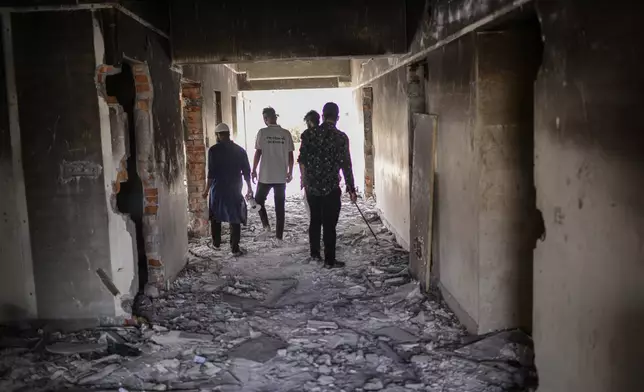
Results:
x,y
275,143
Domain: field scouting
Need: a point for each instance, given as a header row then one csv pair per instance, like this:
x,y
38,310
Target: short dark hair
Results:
x,y
330,111
269,112
313,116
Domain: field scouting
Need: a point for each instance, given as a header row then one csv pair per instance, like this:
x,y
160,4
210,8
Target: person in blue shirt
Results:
x,y
227,164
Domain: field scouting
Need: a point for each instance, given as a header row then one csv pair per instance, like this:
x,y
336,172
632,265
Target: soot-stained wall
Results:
x,y
14,274
391,144
61,150
439,21
451,95
127,39
589,172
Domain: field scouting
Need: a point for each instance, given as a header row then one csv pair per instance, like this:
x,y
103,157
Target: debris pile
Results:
x,y
270,321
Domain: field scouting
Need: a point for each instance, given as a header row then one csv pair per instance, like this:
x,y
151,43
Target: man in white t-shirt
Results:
x,y
274,149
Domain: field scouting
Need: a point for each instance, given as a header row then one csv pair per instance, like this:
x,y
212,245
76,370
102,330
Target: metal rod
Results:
x,y
365,221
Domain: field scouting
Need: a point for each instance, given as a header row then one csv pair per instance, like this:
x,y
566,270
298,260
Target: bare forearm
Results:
x,y
291,162
258,155
208,185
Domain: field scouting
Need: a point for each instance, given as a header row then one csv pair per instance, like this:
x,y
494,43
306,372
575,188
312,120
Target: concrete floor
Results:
x,y
268,321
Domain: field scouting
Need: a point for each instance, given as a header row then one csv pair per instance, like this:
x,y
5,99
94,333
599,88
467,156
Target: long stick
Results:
x,y
365,221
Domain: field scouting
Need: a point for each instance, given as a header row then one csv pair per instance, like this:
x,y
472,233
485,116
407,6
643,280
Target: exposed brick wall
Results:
x,y
195,158
367,108
147,171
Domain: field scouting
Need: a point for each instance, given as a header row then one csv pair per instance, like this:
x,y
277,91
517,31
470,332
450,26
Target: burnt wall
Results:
x,y
440,20
215,78
507,64
128,40
390,141
155,12
451,94
234,31
480,89
34,3
14,295
589,173
62,161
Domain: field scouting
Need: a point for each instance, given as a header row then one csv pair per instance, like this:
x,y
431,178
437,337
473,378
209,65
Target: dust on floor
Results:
x,y
270,321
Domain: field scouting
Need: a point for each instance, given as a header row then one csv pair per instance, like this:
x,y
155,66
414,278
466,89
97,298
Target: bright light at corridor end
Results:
x,y
291,106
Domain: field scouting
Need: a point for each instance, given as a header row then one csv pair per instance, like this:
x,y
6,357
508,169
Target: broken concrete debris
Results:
x,y
151,291
269,322
340,339
181,338
98,376
396,334
326,380
260,349
75,348
317,324
373,385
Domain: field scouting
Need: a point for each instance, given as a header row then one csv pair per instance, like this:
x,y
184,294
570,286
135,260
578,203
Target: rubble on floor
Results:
x,y
269,321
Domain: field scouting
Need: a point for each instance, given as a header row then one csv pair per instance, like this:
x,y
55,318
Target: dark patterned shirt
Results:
x,y
324,151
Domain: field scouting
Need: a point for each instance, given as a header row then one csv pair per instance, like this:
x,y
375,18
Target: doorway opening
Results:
x,y
129,200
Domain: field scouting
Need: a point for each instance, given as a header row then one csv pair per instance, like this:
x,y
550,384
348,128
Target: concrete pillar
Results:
x,y
481,88
506,69
195,158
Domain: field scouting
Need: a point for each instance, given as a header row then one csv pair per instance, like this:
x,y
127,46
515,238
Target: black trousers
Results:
x,y
279,193
235,234
325,212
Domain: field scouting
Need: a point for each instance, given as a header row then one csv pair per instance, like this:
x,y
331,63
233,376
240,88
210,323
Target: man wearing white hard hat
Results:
x,y
227,164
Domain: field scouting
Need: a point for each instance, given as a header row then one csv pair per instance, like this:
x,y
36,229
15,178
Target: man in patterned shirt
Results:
x,y
312,121
323,153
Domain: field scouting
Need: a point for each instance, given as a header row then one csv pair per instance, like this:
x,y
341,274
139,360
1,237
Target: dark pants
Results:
x,y
325,212
235,234
279,193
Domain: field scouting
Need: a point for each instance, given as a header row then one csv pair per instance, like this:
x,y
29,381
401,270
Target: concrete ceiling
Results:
x,y
296,69
227,31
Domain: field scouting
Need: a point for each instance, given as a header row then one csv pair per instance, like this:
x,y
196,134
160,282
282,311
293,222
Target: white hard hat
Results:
x,y
222,127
